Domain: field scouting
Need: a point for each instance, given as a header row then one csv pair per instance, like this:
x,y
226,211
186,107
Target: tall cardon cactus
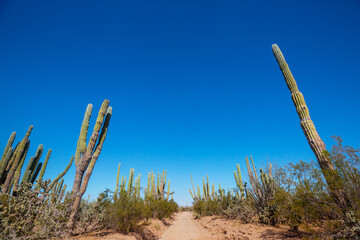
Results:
x,y
86,155
308,127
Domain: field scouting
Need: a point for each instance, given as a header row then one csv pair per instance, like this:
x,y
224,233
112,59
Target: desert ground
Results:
x,y
185,227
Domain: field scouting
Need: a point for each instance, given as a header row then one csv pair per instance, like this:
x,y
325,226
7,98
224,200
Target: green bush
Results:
x,y
126,212
29,215
207,207
92,215
234,208
162,208
304,199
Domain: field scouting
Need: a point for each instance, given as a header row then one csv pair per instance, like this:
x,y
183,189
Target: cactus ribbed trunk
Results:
x,y
308,127
86,157
117,182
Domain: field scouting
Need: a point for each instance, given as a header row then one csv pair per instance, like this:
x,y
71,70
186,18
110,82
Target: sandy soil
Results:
x,y
152,231
186,228
225,229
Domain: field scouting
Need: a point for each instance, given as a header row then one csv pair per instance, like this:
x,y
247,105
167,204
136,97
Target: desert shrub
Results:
x,y
228,205
161,208
125,213
30,215
206,207
235,208
261,194
92,215
185,208
305,199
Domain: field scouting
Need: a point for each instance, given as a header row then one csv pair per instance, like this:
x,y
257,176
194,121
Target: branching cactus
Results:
x,y
86,155
33,164
206,193
157,190
239,182
17,156
263,192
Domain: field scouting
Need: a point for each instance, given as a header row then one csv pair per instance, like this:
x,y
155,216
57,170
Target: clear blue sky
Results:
x,y
194,85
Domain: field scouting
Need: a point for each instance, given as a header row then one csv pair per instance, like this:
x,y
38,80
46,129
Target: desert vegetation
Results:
x,y
318,199
34,208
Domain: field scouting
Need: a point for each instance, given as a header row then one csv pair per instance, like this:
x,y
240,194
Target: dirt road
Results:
x,y
186,228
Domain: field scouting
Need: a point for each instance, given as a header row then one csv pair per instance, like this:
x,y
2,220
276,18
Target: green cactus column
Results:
x,y
117,182
312,136
16,161
238,180
86,155
8,145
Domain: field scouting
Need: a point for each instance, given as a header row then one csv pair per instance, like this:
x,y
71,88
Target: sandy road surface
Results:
x,y
186,228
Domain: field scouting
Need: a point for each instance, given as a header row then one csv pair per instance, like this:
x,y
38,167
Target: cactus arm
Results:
x,y
18,170
8,145
28,171
122,184
254,168
42,172
193,197
105,110
4,162
117,181
36,161
62,193
130,182
36,173
13,156
61,174
168,190
81,145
